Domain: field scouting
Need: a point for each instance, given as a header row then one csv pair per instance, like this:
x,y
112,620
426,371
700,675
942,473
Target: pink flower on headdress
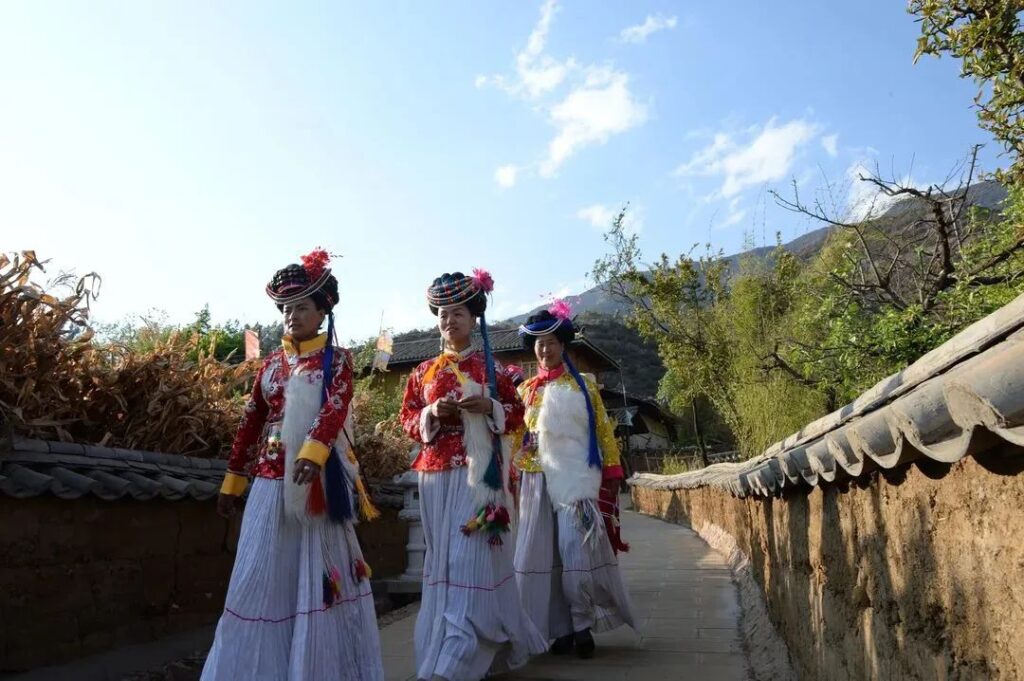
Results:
x,y
560,309
482,280
315,262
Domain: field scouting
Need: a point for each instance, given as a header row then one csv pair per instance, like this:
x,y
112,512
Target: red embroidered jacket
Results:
x,y
441,443
256,452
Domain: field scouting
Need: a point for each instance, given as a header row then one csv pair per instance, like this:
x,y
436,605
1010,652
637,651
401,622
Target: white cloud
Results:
x,y
536,73
591,113
506,176
767,155
597,102
734,215
601,216
653,24
829,144
864,199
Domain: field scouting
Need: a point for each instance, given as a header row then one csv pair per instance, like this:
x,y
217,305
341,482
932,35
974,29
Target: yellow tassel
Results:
x,y
366,507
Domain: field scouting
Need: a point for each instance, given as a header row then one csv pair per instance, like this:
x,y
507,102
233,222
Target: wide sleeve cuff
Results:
x,y
234,484
314,451
496,419
429,425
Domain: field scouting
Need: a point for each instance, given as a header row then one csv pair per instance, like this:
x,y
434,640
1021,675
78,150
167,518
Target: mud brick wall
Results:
x,y
81,576
912,574
383,543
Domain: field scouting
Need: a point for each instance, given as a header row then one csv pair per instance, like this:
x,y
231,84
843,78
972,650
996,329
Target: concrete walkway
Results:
x,y
686,608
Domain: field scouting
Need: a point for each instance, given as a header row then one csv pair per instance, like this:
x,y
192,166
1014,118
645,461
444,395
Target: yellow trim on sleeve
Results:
x,y
234,484
314,451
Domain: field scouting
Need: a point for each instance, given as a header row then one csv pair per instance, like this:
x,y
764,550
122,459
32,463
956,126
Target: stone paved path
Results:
x,y
686,608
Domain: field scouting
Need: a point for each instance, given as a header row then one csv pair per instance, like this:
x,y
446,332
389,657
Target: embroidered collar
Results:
x,y
450,359
302,348
545,375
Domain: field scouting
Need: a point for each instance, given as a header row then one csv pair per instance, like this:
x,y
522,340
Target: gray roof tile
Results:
x,y
31,468
945,406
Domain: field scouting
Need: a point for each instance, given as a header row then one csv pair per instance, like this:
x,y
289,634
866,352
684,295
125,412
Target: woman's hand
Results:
x,y
305,471
444,409
476,405
227,505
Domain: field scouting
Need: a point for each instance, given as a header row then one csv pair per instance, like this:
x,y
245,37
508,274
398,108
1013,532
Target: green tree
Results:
x,y
986,36
673,303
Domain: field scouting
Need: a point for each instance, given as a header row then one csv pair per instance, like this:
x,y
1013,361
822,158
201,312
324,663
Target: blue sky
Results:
x,y
187,150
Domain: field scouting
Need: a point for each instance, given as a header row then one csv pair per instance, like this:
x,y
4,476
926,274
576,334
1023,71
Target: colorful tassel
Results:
x,y
316,504
331,579
492,476
339,501
492,520
366,508
328,590
361,570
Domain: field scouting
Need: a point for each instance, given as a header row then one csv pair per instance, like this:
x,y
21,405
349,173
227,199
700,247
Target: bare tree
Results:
x,y
910,264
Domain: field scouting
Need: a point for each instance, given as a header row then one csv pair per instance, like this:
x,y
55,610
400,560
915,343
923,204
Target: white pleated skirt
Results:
x,y
470,623
565,584
275,625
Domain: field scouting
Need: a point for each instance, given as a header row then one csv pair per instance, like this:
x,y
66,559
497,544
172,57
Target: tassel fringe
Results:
x,y
361,570
492,520
366,508
316,503
331,578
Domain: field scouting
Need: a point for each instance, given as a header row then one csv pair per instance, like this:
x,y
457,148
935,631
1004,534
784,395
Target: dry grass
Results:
x,y
59,383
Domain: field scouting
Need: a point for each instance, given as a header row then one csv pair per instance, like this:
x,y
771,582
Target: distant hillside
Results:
x,y
898,216
641,366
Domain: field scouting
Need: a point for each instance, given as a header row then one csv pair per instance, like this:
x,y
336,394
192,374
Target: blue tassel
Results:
x,y
339,500
328,590
336,484
492,476
594,454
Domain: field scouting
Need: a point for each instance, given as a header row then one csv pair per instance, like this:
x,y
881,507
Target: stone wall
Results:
x,y
915,573
81,576
383,542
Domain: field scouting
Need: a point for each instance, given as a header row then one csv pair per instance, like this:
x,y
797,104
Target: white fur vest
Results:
x,y
563,445
477,438
301,407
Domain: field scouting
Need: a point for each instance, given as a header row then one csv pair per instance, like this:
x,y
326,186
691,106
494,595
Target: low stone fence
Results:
x,y
101,548
909,574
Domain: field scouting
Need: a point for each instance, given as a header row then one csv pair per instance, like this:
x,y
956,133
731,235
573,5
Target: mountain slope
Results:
x,y
987,194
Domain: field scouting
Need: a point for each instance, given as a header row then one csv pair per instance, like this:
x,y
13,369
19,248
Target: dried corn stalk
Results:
x,y
56,382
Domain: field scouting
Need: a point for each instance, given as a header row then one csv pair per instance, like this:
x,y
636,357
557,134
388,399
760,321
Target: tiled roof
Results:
x,y
405,352
963,397
502,340
30,468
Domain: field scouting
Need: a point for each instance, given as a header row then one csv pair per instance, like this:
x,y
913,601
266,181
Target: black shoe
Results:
x,y
562,645
584,644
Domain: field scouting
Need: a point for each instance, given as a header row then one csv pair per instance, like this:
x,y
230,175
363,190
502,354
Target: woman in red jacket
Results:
x,y
458,406
299,605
